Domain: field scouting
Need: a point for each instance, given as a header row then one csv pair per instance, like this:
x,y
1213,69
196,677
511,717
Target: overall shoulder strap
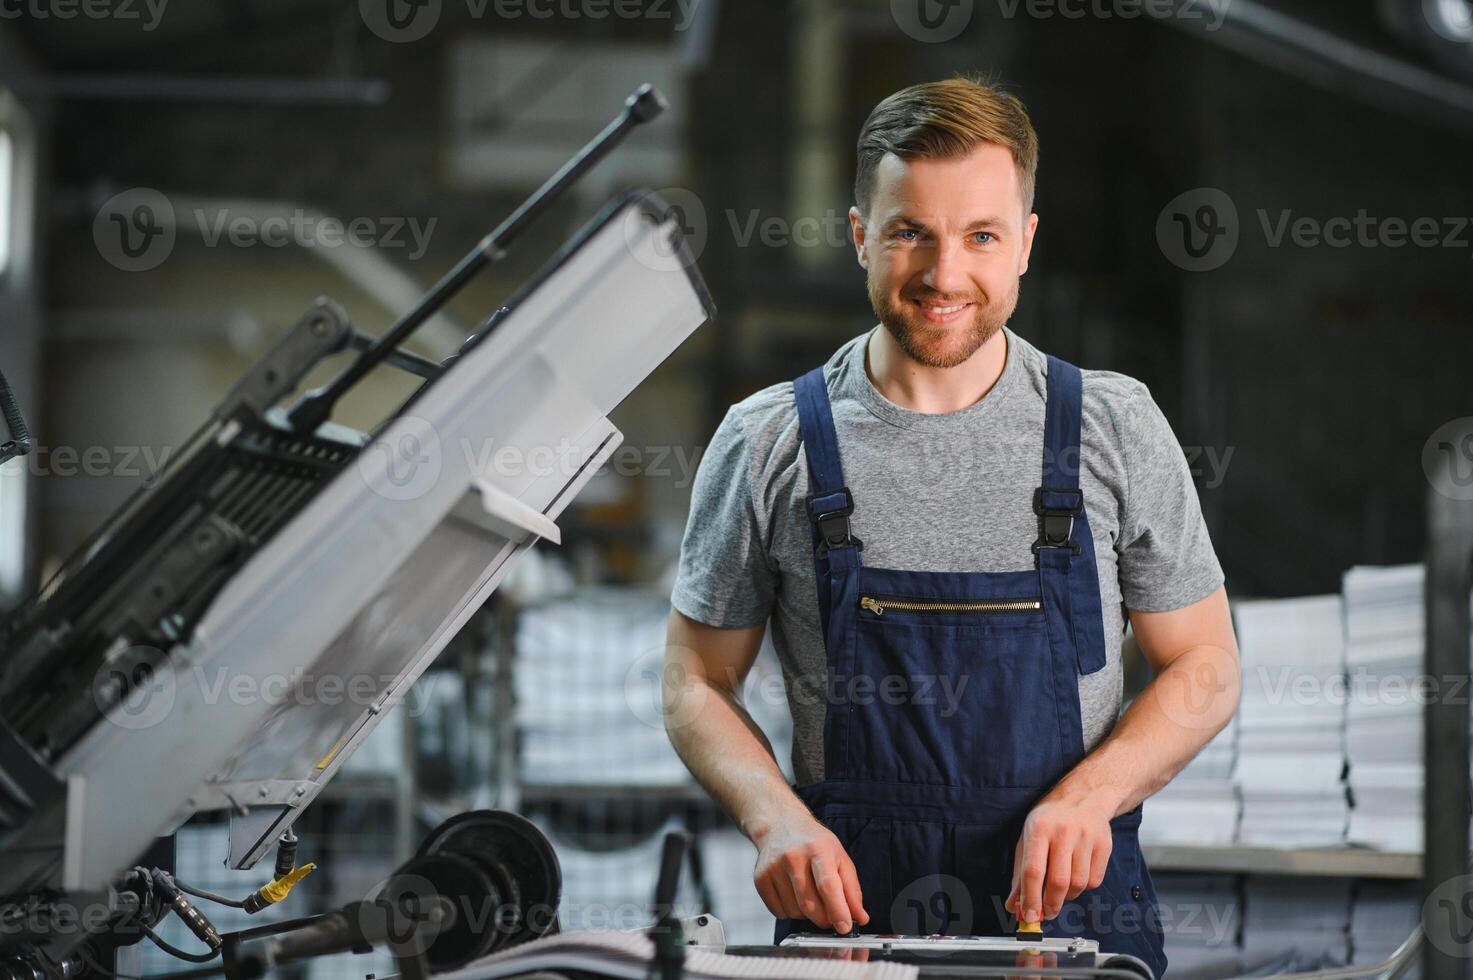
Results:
x,y
1061,424
1063,523
820,444
1058,499
829,501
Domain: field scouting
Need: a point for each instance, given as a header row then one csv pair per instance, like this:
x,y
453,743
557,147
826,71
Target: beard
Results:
x,y
940,346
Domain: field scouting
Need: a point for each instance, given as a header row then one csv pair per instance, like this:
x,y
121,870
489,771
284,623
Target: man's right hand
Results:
x,y
803,872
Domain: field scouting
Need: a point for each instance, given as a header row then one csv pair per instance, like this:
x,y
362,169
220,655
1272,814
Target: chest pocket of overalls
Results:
x,y
951,688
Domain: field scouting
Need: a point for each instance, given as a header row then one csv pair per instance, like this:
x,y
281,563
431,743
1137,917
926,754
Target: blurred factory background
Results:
x,y
1260,208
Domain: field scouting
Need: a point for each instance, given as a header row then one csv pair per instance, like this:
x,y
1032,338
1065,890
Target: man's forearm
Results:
x,y
729,756
1163,729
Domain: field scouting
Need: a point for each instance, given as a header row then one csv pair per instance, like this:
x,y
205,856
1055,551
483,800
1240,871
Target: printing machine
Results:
x,y
279,542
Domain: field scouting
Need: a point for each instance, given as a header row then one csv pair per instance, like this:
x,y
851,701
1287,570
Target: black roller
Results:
x,y
516,865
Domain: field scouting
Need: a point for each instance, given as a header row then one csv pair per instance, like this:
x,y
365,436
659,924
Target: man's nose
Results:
x,y
946,272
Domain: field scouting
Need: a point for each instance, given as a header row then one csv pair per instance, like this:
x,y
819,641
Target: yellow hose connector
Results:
x,y
274,891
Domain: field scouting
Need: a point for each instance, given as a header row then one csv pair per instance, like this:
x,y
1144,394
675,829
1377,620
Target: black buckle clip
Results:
x,y
833,522
1055,524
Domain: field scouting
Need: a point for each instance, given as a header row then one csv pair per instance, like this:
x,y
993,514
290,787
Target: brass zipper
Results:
x,y
878,605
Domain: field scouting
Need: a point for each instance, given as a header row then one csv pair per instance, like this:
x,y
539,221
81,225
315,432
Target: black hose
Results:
x,y
209,896
173,950
19,434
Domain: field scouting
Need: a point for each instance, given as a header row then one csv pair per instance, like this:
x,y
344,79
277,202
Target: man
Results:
x,y
947,530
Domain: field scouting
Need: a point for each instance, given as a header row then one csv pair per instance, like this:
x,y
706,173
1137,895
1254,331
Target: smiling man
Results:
x,y
947,530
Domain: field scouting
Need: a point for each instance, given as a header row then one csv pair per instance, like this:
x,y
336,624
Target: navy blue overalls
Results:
x,y
928,791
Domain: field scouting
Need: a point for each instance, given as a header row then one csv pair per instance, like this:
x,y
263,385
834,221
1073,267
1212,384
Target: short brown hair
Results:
x,y
946,119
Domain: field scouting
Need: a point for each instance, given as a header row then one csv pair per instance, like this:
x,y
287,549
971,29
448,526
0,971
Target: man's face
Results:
x,y
943,245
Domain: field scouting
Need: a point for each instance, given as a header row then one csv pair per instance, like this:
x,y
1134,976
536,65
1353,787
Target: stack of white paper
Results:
x,y
1384,915
1384,646
1201,916
1200,806
1291,743
1304,919
591,685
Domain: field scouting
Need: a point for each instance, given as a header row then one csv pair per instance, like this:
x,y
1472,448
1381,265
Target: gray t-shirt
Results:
x,y
945,492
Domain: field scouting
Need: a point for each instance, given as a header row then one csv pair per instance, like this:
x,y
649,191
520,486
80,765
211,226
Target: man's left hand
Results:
x,y
1064,850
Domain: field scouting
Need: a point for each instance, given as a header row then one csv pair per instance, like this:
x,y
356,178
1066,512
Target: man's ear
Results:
x,y
856,230
1029,227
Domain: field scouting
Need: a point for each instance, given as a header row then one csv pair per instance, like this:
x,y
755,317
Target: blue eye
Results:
x,y
902,232
984,235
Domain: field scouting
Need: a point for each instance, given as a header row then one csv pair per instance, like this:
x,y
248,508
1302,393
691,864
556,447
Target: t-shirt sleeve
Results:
x,y
1166,559
725,577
